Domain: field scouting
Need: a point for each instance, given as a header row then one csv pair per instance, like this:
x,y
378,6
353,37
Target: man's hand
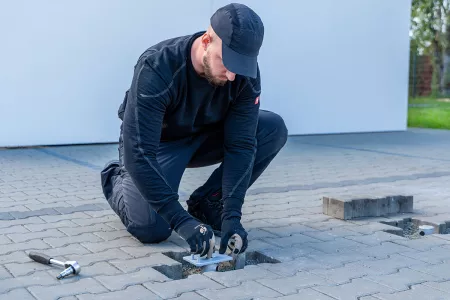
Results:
x,y
230,227
199,236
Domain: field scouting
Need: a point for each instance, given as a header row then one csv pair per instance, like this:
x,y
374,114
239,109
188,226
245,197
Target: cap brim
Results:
x,y
239,64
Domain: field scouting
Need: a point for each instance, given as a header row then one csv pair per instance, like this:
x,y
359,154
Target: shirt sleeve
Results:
x,y
240,147
148,99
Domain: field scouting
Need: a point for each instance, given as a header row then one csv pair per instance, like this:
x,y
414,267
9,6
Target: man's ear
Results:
x,y
206,40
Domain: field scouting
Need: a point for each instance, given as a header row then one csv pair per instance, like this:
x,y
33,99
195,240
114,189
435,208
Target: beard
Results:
x,y
208,72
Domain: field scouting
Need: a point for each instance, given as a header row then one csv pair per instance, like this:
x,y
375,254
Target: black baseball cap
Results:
x,y
242,32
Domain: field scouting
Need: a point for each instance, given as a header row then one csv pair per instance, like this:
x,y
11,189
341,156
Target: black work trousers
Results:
x,y
174,157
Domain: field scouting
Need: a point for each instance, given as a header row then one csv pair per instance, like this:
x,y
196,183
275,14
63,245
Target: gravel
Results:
x,y
411,230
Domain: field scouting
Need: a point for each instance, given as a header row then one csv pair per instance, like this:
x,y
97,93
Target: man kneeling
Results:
x,y
194,102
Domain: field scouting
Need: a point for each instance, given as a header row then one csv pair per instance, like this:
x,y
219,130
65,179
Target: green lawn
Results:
x,y
429,113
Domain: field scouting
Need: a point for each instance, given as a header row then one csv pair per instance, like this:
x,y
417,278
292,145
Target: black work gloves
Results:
x,y
197,235
230,227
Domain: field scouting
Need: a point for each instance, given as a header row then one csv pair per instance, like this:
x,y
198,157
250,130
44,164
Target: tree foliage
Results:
x,y
430,35
428,20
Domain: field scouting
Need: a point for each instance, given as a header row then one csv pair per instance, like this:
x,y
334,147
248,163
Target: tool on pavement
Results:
x,y
211,260
71,267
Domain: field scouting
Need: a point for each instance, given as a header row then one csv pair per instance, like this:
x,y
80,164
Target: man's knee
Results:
x,y
150,235
273,128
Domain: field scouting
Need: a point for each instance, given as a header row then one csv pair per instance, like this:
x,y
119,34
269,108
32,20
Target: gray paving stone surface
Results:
x,y
51,202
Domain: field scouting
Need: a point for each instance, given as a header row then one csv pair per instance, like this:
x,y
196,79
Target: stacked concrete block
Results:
x,y
349,208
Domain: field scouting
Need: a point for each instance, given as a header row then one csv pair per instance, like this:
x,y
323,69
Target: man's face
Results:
x,y
215,71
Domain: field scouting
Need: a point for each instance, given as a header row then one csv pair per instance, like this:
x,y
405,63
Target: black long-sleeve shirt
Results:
x,y
168,100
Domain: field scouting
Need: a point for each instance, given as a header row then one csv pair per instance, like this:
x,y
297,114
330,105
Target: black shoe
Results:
x,y
208,210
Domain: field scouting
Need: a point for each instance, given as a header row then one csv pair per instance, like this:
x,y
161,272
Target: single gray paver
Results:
x,y
107,255
246,290
442,286
30,220
284,254
14,229
189,296
175,288
376,238
291,268
347,272
84,207
309,294
98,269
236,277
24,237
4,273
119,282
134,292
72,217
384,250
291,240
26,268
103,205
145,250
33,244
131,265
33,213
333,233
402,279
40,206
40,278
19,293
76,229
100,213
56,225
290,285
356,288
4,240
260,234
419,291
439,271
336,245
67,240
371,227
6,216
91,221
284,231
423,244
14,257
112,235
21,203
392,264
14,209
101,246
67,250
433,256
115,224
84,285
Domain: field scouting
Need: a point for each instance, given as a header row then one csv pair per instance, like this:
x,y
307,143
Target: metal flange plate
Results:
x,y
203,261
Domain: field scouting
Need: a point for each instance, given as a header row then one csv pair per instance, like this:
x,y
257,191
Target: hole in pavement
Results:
x,y
414,228
183,269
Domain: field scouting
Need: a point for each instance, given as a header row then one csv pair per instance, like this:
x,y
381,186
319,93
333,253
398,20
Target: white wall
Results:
x,y
327,66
